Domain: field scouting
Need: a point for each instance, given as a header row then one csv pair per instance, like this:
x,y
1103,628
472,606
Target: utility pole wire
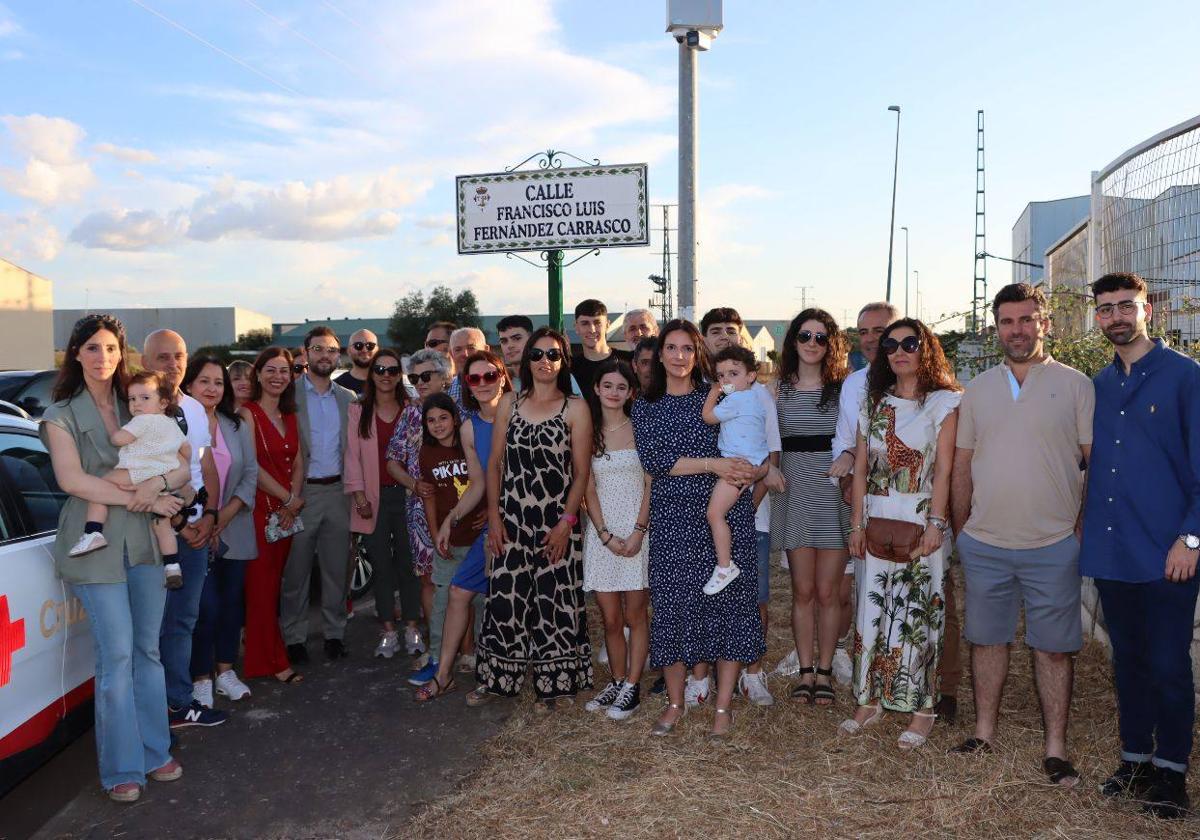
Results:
x,y
327,53
216,49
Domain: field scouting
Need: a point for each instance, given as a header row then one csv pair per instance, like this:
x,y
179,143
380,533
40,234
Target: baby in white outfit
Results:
x,y
152,444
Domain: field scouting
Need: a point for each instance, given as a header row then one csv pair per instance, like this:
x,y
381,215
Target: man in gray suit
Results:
x,y
322,408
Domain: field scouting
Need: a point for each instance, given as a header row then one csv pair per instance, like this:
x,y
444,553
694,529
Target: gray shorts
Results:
x,y
1046,580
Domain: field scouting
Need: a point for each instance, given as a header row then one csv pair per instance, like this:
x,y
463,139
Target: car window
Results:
x,y
35,397
25,468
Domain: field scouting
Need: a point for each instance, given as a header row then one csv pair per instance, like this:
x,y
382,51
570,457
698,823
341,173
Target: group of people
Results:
x,y
492,492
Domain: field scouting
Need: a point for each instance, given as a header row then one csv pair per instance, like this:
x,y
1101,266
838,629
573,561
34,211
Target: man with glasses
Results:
x,y
437,337
362,348
299,362
1141,538
1024,429
321,410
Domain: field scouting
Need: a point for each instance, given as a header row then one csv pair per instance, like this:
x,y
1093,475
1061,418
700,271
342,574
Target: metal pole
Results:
x,y
687,181
554,277
917,285
905,229
892,226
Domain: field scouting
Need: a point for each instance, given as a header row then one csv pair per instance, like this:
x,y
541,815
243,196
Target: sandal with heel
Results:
x,y
850,726
661,728
720,736
803,693
910,740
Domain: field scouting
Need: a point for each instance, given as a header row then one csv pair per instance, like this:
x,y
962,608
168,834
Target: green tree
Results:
x,y
253,340
414,313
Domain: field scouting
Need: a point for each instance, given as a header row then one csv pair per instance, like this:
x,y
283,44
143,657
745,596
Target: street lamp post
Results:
x,y
905,229
917,289
892,226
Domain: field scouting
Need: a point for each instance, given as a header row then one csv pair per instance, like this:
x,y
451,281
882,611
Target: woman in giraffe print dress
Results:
x,y
534,615
902,472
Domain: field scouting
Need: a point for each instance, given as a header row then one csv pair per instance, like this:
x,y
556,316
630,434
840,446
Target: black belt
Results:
x,y
807,443
329,479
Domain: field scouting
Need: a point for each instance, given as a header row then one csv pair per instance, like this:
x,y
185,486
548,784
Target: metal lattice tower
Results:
x,y
668,297
979,304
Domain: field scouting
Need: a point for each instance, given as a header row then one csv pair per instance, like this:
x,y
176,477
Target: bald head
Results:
x,y
362,347
463,342
165,352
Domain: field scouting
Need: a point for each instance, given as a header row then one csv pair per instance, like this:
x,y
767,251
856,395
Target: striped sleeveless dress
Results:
x,y
810,513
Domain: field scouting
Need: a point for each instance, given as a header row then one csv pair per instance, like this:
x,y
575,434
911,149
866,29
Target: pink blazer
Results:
x,y
362,469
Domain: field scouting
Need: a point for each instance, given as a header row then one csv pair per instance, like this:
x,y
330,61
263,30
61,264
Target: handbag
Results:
x,y
273,531
894,539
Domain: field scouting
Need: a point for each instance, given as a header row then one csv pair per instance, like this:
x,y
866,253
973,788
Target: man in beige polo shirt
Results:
x,y
1024,432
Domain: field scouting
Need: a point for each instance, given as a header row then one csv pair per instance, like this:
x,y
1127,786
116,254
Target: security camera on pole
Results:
x,y
694,24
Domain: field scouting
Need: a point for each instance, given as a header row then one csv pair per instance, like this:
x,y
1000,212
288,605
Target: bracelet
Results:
x,y
291,498
645,529
571,519
166,487
606,541
603,530
210,512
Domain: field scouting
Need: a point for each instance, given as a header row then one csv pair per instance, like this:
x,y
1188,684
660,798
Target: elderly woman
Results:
x,y
120,586
428,373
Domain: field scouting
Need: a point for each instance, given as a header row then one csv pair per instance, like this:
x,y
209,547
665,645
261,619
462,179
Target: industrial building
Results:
x,y
1041,224
207,326
26,307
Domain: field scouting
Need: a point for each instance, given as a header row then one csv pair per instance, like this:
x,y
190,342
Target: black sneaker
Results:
x,y
605,698
660,685
195,715
627,702
334,649
298,654
1167,797
1132,779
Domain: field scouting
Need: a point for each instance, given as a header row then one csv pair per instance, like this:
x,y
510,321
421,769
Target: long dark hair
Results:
x,y
70,375
366,420
835,366
468,399
445,402
933,371
658,375
225,404
564,369
610,365
287,400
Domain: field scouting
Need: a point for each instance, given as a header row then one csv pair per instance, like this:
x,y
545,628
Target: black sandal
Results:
x,y
1059,770
804,692
824,692
972,746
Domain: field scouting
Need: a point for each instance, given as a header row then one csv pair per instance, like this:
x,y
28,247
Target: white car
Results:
x,y
46,658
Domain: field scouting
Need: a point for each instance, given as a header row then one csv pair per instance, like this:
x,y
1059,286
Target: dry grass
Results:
x,y
785,773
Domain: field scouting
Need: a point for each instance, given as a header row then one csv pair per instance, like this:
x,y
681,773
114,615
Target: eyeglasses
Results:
x,y
477,379
299,367
909,344
425,376
435,343
1125,307
806,336
360,346
387,370
553,354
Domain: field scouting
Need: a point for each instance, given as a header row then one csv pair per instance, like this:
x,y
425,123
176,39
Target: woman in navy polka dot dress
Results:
x,y
679,450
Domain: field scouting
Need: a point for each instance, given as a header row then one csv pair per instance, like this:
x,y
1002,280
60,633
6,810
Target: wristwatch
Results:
x,y
1190,540
211,512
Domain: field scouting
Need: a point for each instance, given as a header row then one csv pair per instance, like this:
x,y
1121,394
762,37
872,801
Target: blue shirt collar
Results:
x,y
1147,363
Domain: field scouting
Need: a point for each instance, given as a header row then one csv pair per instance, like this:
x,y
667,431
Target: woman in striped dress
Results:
x,y
809,520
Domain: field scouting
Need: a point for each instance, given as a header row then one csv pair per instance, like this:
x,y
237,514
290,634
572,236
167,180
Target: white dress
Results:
x,y
619,484
156,450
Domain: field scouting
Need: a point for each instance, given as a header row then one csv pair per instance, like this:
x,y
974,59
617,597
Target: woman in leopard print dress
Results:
x,y
534,615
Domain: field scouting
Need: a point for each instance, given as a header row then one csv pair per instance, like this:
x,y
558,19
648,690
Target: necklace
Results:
x,y
607,430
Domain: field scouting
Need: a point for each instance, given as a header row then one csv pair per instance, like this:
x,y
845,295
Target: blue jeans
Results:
x,y
132,737
222,608
179,620
1150,625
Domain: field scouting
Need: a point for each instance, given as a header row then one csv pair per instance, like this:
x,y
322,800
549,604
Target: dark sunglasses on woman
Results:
x,y
909,344
553,354
477,379
414,378
360,346
299,367
806,336
435,343
387,370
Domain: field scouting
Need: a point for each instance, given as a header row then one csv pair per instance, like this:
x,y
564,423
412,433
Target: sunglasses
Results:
x,y
435,343
477,379
414,378
360,346
806,336
553,354
299,367
387,370
909,344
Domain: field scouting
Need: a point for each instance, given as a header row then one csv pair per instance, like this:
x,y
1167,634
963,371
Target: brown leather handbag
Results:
x,y
894,539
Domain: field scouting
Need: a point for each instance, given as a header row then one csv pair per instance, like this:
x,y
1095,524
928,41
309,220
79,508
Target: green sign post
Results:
x,y
554,283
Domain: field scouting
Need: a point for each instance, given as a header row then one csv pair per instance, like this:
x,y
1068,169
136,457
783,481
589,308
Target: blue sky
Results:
x,y
315,177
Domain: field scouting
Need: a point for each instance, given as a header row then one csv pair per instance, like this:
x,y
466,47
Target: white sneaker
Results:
x,y
466,663
413,643
389,643
754,688
789,666
843,668
202,693
87,544
721,577
229,685
695,693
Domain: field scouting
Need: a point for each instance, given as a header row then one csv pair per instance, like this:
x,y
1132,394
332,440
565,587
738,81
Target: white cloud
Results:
x,y
126,153
29,236
8,26
442,221
129,230
53,173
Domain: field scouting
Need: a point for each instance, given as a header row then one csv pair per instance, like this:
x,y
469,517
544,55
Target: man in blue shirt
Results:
x,y
1141,536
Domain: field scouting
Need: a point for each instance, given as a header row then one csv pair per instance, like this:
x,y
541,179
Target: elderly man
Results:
x,y
639,324
360,350
463,342
164,351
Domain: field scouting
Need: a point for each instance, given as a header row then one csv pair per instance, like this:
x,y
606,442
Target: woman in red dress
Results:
x,y
271,415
